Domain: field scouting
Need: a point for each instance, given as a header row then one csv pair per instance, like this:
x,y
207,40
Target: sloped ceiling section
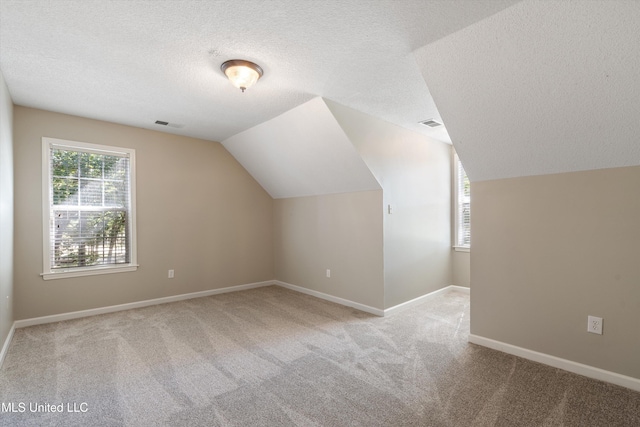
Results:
x,y
541,87
303,152
137,61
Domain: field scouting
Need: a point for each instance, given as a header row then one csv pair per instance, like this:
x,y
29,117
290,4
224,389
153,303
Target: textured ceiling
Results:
x,y
541,87
134,62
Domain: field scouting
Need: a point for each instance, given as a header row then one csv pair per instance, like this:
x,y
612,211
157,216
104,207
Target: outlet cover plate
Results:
x,y
594,325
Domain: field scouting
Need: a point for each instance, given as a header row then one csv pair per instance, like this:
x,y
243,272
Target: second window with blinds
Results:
x,y
88,209
463,207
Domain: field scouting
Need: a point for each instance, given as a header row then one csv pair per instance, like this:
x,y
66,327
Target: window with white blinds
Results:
x,y
89,209
463,205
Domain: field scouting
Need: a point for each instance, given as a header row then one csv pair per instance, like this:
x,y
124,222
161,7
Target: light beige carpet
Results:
x,y
273,357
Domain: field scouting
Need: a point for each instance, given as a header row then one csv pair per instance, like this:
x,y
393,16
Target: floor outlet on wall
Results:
x,y
170,274
328,273
594,325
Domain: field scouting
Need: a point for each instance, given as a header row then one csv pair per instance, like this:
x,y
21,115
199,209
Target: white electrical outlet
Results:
x,y
328,273
594,325
170,274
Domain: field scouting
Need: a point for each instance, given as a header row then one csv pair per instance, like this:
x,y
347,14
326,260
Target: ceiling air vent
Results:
x,y
171,125
431,123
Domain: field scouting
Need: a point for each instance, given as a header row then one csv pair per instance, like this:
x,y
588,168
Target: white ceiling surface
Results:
x,y
303,152
541,87
134,62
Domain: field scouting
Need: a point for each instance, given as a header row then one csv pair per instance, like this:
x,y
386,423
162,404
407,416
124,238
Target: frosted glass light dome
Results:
x,y
242,74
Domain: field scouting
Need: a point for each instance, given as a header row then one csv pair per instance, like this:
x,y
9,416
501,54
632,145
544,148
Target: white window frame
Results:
x,y
48,273
457,244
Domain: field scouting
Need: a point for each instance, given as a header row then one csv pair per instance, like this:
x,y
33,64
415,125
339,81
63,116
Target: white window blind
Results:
x,y
463,214
90,219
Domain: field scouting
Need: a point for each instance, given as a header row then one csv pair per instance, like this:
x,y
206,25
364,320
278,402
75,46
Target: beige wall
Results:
x,y
550,250
6,212
340,232
461,264
415,174
198,212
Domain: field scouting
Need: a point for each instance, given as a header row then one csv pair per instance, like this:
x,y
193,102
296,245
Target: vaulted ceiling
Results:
x,y
524,87
138,61
541,87
303,152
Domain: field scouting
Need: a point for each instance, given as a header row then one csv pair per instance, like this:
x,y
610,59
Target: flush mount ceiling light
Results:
x,y
242,74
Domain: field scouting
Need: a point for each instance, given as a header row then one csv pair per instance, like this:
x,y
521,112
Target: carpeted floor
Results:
x,y
274,357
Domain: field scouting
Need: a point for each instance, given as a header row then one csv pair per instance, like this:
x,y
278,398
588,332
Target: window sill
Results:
x,y
462,248
66,274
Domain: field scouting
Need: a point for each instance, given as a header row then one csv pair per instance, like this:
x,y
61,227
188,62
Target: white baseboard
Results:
x,y
463,289
5,346
366,308
556,362
415,301
337,300
137,304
